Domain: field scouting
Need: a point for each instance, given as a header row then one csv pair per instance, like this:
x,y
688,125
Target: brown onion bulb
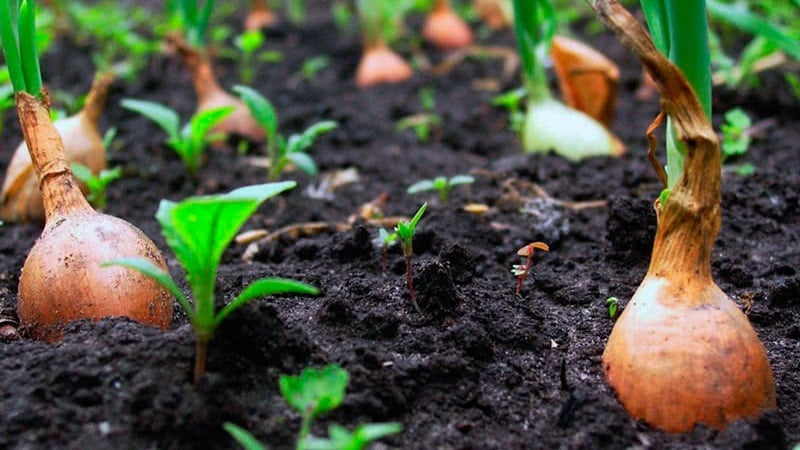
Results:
x,y
445,29
20,198
260,16
210,95
62,279
380,64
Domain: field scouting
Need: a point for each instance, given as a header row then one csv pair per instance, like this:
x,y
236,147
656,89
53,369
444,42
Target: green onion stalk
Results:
x,y
549,124
195,21
679,29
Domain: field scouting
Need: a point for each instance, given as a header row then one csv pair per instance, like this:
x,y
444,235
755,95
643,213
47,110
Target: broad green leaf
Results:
x,y
243,437
264,287
204,121
310,135
304,162
261,109
420,186
154,272
315,392
164,117
461,179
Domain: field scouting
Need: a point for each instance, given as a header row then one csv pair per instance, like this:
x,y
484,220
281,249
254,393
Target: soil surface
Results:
x,y
477,367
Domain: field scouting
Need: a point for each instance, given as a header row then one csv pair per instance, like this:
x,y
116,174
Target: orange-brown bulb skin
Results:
x,y
62,279
676,365
381,65
260,16
493,13
445,29
21,200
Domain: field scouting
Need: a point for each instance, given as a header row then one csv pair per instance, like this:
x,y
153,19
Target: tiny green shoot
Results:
x,y
441,184
313,65
189,141
248,43
312,393
521,271
97,184
613,306
194,20
198,230
735,133
386,240
425,122
404,232
281,151
296,11
512,101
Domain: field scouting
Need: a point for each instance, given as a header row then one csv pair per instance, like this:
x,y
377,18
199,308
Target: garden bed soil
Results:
x,y
478,368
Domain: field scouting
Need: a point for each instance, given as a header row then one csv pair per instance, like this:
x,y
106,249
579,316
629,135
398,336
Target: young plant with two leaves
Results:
x,y
312,393
198,230
62,280
682,353
190,141
549,124
282,151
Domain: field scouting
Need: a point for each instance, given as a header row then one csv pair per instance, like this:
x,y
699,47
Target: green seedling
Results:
x,y
386,240
442,185
296,11
613,306
198,229
313,393
423,123
404,232
249,45
521,271
97,184
281,151
193,20
191,140
735,133
312,66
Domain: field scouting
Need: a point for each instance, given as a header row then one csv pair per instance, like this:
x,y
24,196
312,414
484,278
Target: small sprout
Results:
x,y
386,240
312,66
198,229
512,101
283,151
109,136
442,185
405,232
735,133
613,305
248,43
312,393
97,184
521,270
189,141
425,122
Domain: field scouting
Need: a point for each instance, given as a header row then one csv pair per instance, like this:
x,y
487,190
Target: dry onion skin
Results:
x,y
62,280
682,353
380,64
210,95
586,78
20,198
445,29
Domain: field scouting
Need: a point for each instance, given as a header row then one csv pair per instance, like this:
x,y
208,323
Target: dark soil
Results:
x,y
478,368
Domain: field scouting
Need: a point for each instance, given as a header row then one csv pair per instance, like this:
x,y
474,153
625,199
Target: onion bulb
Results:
x,y
259,16
682,353
210,95
380,64
445,29
20,198
62,280
497,14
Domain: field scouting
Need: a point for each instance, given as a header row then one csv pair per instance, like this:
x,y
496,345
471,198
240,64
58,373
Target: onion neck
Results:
x,y
96,98
60,191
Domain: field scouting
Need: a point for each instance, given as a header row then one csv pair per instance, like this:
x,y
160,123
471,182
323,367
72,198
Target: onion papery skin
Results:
x,y
676,362
551,125
62,279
